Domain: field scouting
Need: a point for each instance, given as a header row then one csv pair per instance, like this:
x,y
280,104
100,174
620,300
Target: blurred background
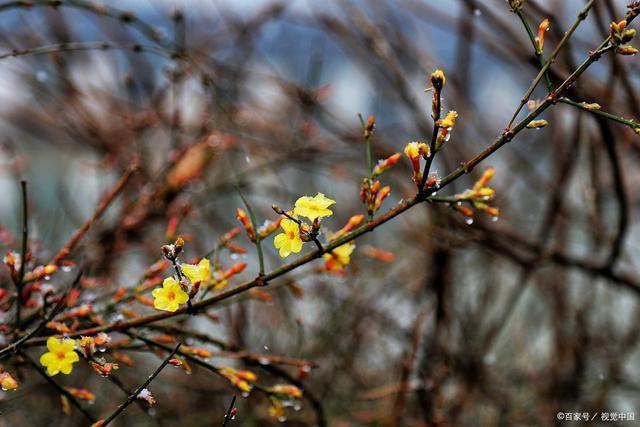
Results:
x,y
437,321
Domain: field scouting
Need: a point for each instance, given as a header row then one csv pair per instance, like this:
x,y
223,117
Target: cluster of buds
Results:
x,y
477,197
621,35
542,29
88,346
416,151
103,368
240,379
172,251
372,194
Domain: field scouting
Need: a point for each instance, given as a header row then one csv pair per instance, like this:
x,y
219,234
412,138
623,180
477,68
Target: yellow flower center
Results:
x,y
171,295
61,355
292,235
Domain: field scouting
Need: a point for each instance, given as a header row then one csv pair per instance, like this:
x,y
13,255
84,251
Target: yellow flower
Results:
x,y
288,242
414,150
197,273
169,296
313,207
449,121
60,356
340,257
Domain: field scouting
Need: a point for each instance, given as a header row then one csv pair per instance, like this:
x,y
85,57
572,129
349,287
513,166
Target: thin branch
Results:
x,y
102,207
23,253
552,58
228,416
536,49
585,107
144,385
258,240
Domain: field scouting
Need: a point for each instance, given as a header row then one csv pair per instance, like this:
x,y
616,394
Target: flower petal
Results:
x,y
47,359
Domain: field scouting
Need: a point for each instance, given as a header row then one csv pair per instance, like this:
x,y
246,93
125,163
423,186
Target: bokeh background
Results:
x,y
490,323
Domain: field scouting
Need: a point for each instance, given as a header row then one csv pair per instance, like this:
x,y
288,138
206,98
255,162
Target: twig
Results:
x,y
229,416
258,240
23,253
82,46
102,207
432,145
581,17
536,49
135,394
581,105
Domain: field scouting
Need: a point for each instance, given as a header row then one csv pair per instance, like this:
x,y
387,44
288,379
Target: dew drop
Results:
x,y
477,12
41,76
245,394
247,159
47,278
282,419
266,348
66,268
469,221
264,361
494,219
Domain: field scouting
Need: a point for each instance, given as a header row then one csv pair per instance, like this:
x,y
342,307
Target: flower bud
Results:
x,y
626,50
369,127
246,223
438,80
